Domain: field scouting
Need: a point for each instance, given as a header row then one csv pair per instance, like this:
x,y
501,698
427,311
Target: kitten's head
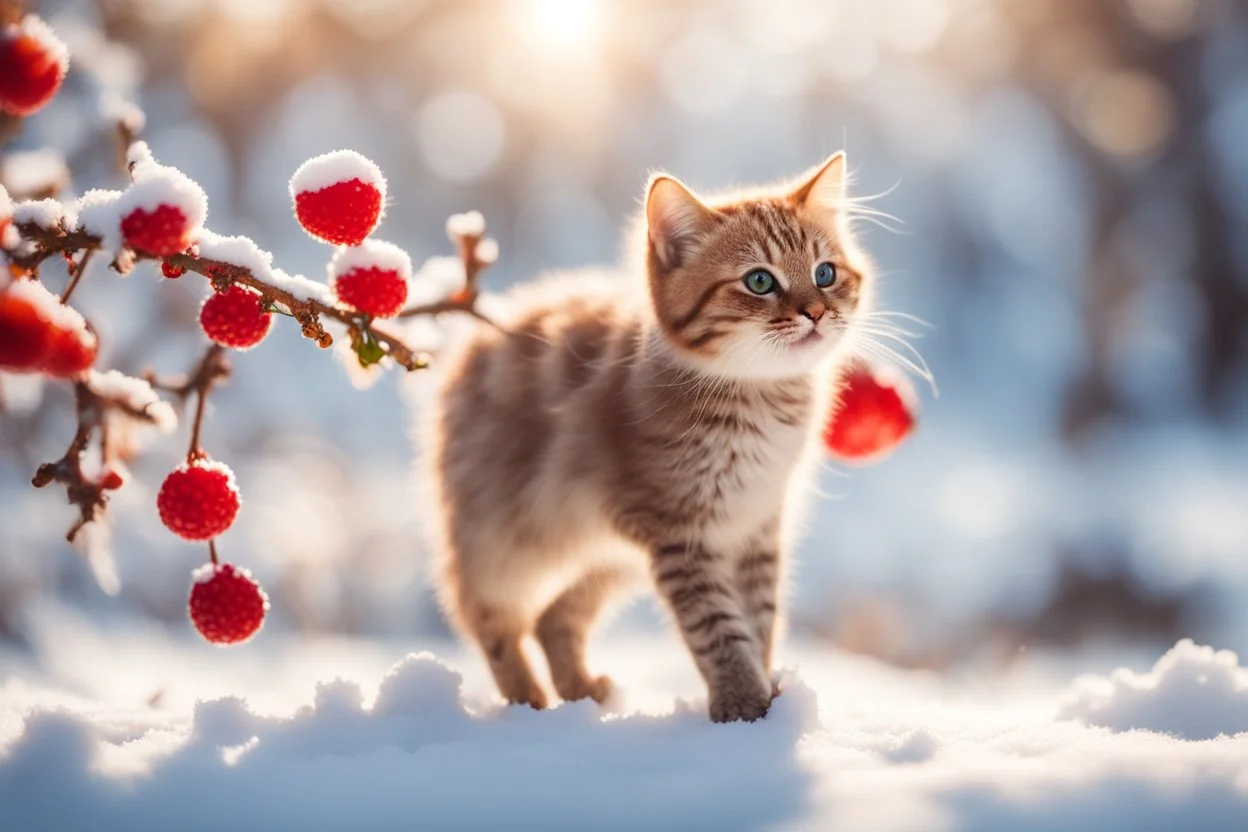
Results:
x,y
762,286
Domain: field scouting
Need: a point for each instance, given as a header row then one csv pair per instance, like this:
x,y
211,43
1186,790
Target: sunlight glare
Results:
x,y
560,25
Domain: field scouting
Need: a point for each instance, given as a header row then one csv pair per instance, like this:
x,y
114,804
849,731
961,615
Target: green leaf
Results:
x,y
367,350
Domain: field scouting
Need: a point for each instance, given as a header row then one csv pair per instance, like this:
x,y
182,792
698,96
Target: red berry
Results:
x,y
227,606
71,353
26,334
378,292
160,232
235,318
874,414
343,213
171,271
199,500
111,480
32,65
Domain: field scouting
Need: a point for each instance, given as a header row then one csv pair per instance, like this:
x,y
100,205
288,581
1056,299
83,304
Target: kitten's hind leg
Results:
x,y
563,631
500,635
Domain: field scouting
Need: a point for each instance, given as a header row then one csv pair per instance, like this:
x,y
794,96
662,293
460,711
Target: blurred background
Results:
x,y
1071,186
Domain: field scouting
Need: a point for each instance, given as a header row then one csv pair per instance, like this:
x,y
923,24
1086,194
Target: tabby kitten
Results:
x,y
608,431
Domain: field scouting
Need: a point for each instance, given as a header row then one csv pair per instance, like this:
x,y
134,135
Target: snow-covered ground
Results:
x,y
130,729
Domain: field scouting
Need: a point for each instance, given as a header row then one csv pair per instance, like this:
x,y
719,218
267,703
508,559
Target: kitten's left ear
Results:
x,y
675,220
824,187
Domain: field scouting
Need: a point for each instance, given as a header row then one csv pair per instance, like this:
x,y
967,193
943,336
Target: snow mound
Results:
x,y
468,224
32,172
136,394
1192,692
487,250
45,213
49,306
418,758
336,166
371,254
302,288
237,251
97,213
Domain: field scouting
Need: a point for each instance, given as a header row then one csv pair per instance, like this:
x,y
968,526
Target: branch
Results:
x,y
308,312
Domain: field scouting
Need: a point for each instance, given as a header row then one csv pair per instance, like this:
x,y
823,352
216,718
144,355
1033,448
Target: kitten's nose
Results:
x,y
814,311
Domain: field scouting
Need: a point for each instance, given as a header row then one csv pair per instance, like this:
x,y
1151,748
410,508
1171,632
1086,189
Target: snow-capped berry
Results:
x,y
25,332
159,232
235,318
71,353
371,277
171,271
227,606
338,197
163,211
875,412
198,500
33,62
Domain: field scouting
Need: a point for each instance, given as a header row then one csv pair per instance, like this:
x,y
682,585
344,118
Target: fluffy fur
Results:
x,y
658,429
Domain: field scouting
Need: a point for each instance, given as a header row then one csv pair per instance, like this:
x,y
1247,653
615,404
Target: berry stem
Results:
x,y
75,274
210,370
212,552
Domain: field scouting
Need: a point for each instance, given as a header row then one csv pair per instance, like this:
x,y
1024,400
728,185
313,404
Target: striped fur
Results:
x,y
619,432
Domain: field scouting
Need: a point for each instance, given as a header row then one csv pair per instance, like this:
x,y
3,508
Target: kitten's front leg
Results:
x,y
757,579
700,589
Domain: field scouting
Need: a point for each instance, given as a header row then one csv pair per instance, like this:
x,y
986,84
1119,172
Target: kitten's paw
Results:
x,y
534,698
598,689
740,703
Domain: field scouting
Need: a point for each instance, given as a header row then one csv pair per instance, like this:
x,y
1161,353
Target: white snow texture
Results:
x,y
467,224
1192,692
238,251
371,254
45,213
336,166
32,26
137,394
858,746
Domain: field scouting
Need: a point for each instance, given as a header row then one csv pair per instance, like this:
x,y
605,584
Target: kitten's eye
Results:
x,y
825,275
760,282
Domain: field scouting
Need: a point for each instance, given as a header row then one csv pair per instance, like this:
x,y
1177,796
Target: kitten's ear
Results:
x,y
824,188
675,219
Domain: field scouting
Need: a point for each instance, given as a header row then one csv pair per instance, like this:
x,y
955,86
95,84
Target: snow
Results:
x,y
97,213
156,184
31,172
371,254
118,110
487,250
238,251
45,213
850,744
337,166
468,224
137,395
1192,692
49,305
302,288
32,26
437,278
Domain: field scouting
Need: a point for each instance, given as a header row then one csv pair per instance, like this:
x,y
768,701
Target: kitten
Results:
x,y
605,434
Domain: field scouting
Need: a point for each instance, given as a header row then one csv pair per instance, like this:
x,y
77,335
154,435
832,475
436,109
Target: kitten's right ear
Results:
x,y
675,220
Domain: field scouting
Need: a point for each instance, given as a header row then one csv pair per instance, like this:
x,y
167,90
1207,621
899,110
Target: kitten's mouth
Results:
x,y
809,339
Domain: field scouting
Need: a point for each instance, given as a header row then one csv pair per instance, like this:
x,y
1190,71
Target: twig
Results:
x,y
308,312
75,274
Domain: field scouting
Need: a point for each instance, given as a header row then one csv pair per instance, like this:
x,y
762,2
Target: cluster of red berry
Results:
x,y
339,198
